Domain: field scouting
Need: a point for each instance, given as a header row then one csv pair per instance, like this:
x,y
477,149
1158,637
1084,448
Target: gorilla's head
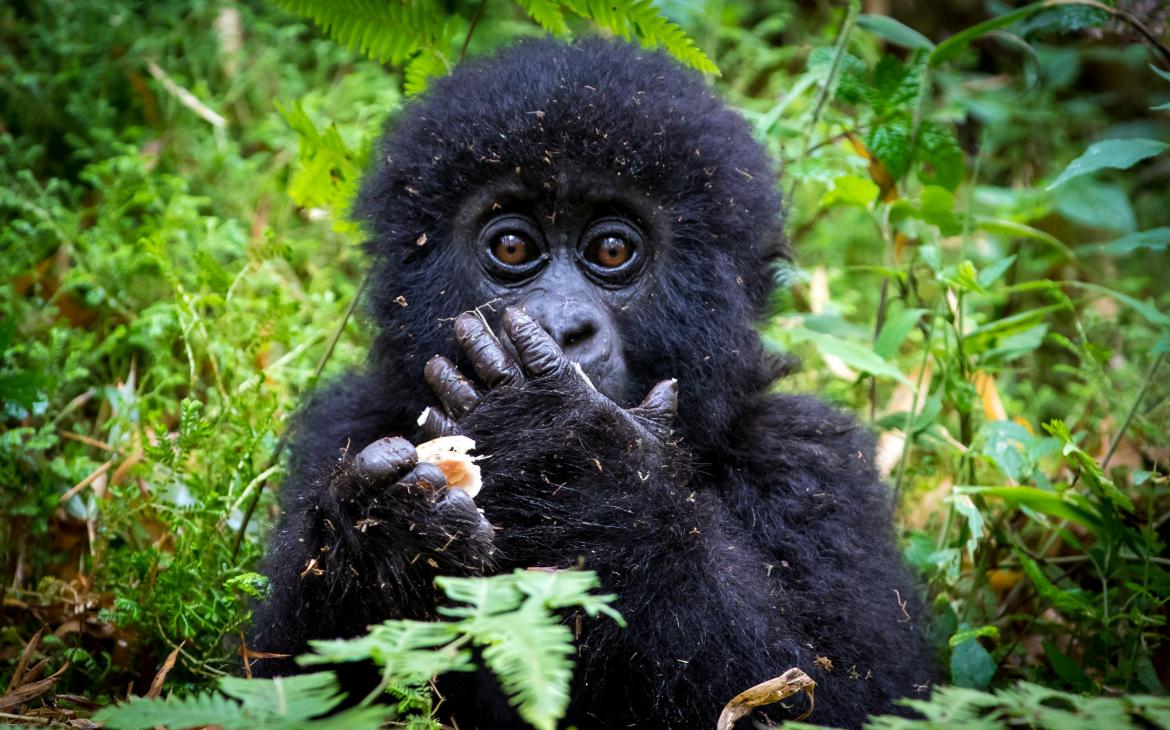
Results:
x,y
602,187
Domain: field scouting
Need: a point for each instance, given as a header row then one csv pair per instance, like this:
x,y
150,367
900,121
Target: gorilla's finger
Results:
x,y
435,424
386,458
539,353
426,476
455,392
458,504
660,406
492,364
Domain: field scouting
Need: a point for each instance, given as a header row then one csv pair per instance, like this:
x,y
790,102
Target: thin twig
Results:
x,y
471,28
279,450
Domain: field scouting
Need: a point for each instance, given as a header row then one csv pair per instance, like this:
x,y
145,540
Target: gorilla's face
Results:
x,y
575,256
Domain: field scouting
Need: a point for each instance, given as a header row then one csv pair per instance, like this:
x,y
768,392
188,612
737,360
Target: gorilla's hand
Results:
x,y
385,494
539,397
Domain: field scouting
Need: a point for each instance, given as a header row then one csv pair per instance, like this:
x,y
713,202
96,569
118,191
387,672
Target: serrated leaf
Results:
x,y
417,75
890,143
642,20
894,31
1119,154
547,14
943,159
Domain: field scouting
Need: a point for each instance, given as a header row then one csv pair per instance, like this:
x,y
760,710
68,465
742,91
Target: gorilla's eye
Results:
x,y
608,251
612,249
512,249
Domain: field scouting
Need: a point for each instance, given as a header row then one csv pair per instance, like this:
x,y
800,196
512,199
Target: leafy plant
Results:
x,y
511,617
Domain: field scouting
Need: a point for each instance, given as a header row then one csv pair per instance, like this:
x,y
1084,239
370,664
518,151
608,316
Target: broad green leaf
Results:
x,y
1042,501
1012,229
959,637
1155,239
1119,154
971,665
890,143
894,31
894,332
991,273
851,190
965,506
1097,205
1149,311
853,355
955,45
1067,668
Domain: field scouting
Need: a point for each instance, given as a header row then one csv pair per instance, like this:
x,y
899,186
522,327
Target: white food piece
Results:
x,y
450,453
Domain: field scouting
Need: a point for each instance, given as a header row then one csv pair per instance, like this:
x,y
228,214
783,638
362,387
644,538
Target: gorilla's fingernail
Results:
x,y
386,457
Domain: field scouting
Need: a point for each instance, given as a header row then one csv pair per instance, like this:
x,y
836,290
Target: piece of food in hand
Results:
x,y
450,453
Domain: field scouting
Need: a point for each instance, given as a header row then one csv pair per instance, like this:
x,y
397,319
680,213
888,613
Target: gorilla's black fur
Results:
x,y
757,538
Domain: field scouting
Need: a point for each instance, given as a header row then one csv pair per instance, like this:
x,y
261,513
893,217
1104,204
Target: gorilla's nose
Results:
x,y
575,326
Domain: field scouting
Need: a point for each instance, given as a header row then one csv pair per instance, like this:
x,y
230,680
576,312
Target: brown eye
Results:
x,y
609,251
512,249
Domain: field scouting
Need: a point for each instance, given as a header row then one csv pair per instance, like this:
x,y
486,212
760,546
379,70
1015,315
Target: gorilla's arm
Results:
x,y
729,574
363,527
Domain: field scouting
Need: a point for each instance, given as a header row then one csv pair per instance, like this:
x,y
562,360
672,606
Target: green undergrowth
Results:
x,y
979,210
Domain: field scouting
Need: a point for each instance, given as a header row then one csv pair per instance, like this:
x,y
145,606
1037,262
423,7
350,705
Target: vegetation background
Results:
x,y
980,201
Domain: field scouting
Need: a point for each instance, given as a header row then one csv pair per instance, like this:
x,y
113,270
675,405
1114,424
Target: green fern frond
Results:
x,y
383,30
547,14
529,650
641,19
140,713
278,704
414,650
417,75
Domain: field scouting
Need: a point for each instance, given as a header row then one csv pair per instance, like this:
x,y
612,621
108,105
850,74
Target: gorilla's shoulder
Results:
x,y
800,434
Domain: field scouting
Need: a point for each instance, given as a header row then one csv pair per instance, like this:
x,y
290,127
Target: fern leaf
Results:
x,y
529,650
422,68
383,30
142,713
547,14
415,651
641,19
284,703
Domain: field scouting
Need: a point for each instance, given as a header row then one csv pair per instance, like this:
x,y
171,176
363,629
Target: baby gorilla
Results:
x,y
570,246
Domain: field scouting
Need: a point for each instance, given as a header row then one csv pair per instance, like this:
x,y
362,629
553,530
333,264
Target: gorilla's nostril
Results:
x,y
577,335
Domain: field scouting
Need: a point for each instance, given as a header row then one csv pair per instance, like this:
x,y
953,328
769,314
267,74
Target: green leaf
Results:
x,y
853,355
894,31
971,665
386,32
284,703
1096,205
1072,602
991,274
547,14
1012,229
851,190
642,20
890,143
991,632
894,332
1160,72
417,75
1155,239
1042,501
1066,668
942,156
529,651
1149,311
1119,154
